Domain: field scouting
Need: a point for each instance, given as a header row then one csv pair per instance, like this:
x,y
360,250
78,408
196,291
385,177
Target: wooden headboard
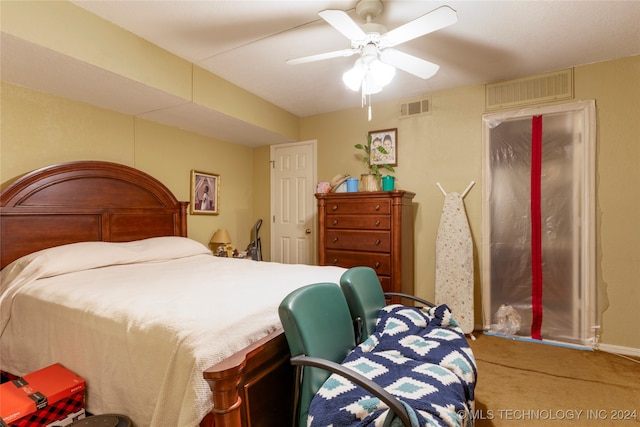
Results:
x,y
85,201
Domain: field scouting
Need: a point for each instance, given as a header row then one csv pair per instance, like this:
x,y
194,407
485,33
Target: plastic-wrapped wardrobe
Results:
x,y
539,223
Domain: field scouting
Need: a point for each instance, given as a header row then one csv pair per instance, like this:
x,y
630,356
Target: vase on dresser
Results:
x,y
369,182
373,229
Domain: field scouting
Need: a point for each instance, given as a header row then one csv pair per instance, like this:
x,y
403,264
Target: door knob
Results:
x,y
308,231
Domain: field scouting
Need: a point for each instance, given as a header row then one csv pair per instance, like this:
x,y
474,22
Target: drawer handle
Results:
x,y
377,207
335,222
334,261
377,265
335,239
377,242
334,208
377,223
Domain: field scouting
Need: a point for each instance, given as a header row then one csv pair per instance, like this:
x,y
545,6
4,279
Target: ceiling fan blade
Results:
x,y
427,23
342,22
322,56
409,63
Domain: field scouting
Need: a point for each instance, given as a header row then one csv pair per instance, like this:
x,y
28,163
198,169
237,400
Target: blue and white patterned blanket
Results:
x,y
420,356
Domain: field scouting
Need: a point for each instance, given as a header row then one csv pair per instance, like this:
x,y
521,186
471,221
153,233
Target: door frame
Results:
x,y
273,200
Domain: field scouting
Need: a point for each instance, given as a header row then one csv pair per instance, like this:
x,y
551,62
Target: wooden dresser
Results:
x,y
373,229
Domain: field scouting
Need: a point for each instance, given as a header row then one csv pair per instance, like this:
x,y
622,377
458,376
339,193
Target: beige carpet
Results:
x,y
533,384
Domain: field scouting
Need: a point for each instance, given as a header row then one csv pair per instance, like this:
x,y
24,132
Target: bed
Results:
x,y
235,371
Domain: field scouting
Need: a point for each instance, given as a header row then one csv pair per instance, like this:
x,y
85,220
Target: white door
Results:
x,y
293,205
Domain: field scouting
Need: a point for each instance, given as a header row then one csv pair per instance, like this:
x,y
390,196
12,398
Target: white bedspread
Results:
x,y
141,321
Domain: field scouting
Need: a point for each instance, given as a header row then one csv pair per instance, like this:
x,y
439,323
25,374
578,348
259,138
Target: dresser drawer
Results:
x,y
385,282
381,263
381,206
365,222
356,240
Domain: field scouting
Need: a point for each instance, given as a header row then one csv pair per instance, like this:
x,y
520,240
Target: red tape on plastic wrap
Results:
x,y
536,227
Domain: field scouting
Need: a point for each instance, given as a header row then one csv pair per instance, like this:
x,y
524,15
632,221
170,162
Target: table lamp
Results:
x,y
222,239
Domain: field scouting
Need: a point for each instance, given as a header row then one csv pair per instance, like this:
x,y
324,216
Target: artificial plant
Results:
x,y
374,169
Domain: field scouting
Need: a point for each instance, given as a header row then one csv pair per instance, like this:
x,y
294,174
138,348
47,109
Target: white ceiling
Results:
x,y
248,42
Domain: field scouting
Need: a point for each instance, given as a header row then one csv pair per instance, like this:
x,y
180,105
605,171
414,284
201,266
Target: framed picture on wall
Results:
x,y
387,139
205,189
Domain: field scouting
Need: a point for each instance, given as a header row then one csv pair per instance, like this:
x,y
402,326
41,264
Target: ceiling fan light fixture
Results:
x,y
354,77
370,84
371,76
383,73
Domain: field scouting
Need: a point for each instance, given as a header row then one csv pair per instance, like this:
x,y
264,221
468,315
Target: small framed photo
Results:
x,y
205,189
387,139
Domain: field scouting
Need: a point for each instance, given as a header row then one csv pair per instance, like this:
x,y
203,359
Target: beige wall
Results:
x,y
615,85
40,129
446,147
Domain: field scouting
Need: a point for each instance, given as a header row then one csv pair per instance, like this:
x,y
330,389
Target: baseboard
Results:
x,y
618,349
544,341
609,348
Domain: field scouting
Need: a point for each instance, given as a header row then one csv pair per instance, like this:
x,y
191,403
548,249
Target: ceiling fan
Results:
x,y
378,59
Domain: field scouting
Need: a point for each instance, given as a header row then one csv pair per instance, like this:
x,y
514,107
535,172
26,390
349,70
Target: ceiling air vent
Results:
x,y
415,107
530,90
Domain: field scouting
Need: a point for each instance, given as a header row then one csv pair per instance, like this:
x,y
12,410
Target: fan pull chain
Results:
x,y
366,102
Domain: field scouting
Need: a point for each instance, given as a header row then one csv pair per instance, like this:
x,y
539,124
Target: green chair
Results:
x,y
319,330
365,298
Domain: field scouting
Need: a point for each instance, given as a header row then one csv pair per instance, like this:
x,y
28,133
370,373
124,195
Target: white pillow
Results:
x,y
88,255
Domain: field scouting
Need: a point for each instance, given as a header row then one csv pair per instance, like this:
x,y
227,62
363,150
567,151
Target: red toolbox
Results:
x,y
53,396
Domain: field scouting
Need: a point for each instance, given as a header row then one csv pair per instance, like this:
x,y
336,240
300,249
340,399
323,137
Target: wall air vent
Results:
x,y
415,107
530,90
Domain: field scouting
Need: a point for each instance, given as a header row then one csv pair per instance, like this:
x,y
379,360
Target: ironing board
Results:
x,y
454,260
